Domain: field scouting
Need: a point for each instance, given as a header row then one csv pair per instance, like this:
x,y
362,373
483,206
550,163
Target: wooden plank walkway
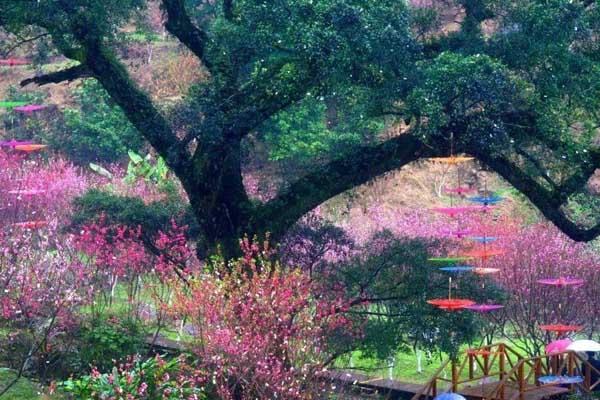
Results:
x,y
534,392
393,389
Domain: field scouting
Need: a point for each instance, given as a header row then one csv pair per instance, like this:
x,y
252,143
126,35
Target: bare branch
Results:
x,y
22,42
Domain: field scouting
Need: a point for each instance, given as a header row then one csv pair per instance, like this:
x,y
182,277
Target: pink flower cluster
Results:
x,y
260,330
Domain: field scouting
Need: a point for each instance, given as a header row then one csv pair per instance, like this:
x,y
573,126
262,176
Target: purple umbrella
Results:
x,y
29,109
484,307
561,281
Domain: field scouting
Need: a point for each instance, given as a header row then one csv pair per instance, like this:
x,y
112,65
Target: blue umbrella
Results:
x,y
449,396
484,239
560,379
486,200
457,268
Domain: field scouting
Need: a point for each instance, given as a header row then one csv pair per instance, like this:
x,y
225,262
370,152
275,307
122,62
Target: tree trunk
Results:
x,y
218,198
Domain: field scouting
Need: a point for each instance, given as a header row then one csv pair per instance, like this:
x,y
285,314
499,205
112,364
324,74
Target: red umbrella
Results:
x,y
561,328
31,224
451,304
11,62
561,281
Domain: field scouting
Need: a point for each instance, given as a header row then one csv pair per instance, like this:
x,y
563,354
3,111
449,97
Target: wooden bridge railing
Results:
x,y
500,363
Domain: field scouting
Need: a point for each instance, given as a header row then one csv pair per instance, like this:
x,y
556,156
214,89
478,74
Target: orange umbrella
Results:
x,y
484,253
561,328
485,270
452,160
28,148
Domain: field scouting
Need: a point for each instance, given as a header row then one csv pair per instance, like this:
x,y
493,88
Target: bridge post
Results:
x,y
521,378
454,377
471,372
588,376
538,371
500,360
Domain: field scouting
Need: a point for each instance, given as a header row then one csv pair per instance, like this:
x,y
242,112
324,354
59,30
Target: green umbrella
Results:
x,y
11,104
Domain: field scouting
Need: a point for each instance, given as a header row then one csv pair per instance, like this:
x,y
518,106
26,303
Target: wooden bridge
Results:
x,y
497,372
494,372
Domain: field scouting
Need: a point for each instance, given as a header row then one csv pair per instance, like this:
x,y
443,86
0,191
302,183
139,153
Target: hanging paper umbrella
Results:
x,y
455,211
449,396
458,233
484,253
584,345
484,307
560,379
31,224
451,304
11,62
459,190
561,281
448,260
558,346
14,143
484,239
30,108
11,104
457,268
486,200
561,328
27,192
486,270
453,160
30,147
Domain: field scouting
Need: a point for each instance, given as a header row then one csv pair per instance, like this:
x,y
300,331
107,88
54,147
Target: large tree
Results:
x,y
517,84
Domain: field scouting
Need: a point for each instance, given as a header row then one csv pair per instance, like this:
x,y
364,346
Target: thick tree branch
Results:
x,y
181,26
65,75
548,202
341,174
136,105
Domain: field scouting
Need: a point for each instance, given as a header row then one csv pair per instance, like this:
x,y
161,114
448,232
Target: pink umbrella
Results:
x,y
27,192
460,190
11,62
458,233
484,307
454,211
558,346
13,143
29,109
562,281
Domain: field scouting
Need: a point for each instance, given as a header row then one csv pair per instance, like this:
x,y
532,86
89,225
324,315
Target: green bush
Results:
x,y
97,130
105,340
154,378
132,211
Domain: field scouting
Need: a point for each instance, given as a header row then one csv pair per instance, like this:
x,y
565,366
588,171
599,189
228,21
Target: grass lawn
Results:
x,y
24,389
405,366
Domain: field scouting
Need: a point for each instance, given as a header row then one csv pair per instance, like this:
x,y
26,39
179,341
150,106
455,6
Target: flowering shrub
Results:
x,y
137,379
259,329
